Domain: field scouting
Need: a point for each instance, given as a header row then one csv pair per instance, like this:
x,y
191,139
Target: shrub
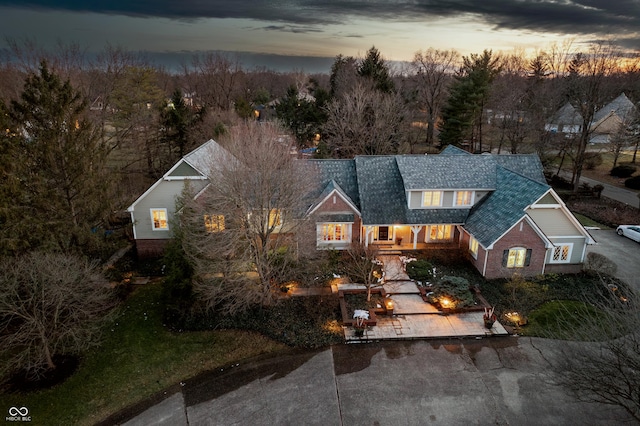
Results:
x,y
455,289
633,183
420,270
592,160
623,171
597,262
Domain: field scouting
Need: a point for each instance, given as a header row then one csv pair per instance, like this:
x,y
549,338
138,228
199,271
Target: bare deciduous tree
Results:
x,y
360,263
605,366
434,70
365,122
50,304
245,230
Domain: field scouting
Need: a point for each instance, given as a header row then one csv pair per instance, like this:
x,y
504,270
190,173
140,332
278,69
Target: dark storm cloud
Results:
x,y
561,16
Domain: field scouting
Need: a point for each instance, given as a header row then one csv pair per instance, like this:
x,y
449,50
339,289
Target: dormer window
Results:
x,y
432,198
464,198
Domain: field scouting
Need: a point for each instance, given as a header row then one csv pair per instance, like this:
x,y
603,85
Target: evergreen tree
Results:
x,y
376,69
178,119
60,164
304,117
462,116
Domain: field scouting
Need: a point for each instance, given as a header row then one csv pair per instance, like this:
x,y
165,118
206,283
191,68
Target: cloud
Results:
x,y
558,16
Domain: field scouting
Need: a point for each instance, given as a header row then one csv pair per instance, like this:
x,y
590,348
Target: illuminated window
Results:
x,y
473,247
431,198
464,198
159,220
561,254
334,232
516,258
214,223
275,218
439,232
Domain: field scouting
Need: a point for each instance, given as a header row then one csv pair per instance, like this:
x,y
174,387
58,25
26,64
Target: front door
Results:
x,y
383,233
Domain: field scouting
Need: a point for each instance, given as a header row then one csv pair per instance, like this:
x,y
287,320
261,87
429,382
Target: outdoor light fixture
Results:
x,y
389,305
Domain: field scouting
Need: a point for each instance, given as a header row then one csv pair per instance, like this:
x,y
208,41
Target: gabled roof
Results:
x,y
454,150
567,115
330,188
343,173
503,208
208,155
524,164
620,106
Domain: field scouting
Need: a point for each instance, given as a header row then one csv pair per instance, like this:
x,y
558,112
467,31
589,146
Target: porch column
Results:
x,y
368,230
415,230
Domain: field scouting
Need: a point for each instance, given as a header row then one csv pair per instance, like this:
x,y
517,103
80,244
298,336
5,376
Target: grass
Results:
x,y
585,221
564,319
138,358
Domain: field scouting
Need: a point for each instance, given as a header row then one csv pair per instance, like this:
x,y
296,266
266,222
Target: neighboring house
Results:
x,y
611,118
567,120
497,208
153,211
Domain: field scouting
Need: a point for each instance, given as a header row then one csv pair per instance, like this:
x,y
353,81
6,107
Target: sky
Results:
x,y
308,34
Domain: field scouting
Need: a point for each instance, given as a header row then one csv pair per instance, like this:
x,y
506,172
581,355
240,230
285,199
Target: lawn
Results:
x,y
139,357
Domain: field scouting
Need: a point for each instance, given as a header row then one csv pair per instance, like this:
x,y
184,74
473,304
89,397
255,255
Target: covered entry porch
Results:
x,y
410,237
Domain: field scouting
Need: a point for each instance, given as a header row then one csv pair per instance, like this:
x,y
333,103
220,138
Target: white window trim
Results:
x,y
552,250
427,234
472,242
153,224
524,258
347,233
471,199
432,205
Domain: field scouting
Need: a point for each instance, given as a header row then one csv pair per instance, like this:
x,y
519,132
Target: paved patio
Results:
x,y
414,318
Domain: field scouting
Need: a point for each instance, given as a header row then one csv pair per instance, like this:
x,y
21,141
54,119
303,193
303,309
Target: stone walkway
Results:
x,y
414,318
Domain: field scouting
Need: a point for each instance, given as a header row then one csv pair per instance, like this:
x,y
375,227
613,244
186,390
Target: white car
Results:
x,y
629,231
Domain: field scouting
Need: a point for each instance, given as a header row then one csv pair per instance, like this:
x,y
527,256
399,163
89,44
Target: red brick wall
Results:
x,y
516,237
150,248
341,206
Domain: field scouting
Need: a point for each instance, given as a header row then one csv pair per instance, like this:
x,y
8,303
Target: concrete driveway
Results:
x,y
624,252
498,381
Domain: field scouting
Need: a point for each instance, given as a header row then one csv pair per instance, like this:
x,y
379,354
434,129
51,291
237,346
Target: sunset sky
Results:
x,y
308,34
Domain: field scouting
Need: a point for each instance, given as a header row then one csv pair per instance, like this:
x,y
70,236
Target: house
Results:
x,y
609,119
499,209
567,120
496,208
152,212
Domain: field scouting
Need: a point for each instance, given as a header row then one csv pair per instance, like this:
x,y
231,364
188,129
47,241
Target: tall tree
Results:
x,y
344,75
365,122
374,68
587,88
138,100
462,115
303,115
433,69
178,120
61,164
244,233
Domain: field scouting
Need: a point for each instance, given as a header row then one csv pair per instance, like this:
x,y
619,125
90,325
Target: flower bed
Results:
x,y
347,313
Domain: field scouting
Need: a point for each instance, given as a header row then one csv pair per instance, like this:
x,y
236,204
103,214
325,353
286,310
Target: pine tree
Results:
x,y
376,69
60,164
462,116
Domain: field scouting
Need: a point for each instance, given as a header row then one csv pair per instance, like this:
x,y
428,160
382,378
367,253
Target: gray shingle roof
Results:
x,y
382,195
377,185
447,171
567,115
621,106
342,173
504,207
